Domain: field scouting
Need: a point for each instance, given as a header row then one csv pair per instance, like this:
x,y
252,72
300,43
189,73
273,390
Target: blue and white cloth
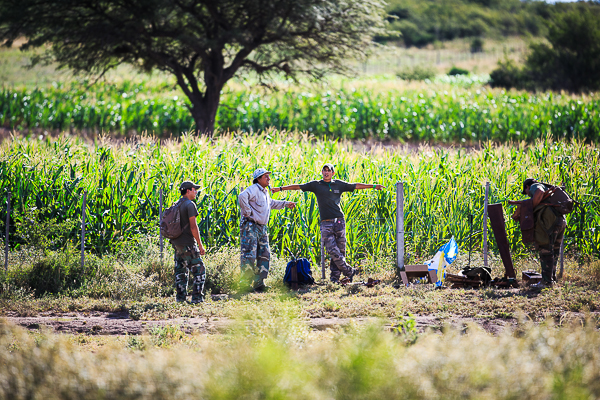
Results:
x,y
444,257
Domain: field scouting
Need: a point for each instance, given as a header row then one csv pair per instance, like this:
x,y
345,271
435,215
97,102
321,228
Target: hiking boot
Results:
x,y
197,301
541,285
262,289
355,271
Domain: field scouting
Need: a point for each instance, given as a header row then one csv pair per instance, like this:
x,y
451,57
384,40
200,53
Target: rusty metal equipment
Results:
x,y
417,271
461,281
470,278
496,216
531,277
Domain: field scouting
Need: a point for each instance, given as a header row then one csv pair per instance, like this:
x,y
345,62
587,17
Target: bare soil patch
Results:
x,y
119,323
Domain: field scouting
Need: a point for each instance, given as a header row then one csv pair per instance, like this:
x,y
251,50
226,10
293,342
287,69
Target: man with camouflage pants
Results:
x,y
256,206
188,247
333,225
550,227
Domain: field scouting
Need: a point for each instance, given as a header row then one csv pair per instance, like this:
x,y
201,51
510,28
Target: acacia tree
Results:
x,y
203,43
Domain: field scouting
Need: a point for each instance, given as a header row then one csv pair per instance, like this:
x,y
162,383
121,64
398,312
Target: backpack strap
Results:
x,y
187,223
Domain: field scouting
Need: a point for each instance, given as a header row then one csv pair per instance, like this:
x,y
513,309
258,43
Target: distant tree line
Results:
x,y
570,58
421,22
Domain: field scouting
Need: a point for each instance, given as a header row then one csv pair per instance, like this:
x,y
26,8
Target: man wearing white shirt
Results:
x,y
256,206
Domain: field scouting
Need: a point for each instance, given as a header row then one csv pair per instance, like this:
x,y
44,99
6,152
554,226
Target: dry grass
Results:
x,y
276,358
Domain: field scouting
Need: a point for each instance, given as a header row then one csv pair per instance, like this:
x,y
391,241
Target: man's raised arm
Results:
x,y
288,187
368,186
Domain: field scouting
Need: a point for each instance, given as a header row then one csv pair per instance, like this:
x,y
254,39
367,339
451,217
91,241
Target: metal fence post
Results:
x,y
160,216
7,232
485,214
400,225
83,229
322,259
562,259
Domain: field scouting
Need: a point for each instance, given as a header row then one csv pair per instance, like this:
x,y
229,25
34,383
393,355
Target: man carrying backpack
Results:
x,y
256,206
333,225
549,225
188,245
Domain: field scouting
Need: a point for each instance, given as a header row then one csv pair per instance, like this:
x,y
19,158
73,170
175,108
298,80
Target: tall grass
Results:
x,y
275,358
442,188
385,110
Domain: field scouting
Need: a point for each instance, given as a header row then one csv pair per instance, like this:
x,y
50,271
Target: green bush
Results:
x,y
61,272
569,61
507,75
457,71
38,229
417,73
477,45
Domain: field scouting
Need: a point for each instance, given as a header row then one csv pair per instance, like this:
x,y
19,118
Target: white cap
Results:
x,y
260,172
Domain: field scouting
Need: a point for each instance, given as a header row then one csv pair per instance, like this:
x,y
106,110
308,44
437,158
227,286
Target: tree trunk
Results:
x,y
204,112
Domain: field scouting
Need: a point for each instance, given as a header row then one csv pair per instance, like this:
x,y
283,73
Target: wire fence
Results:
x,y
393,60
369,236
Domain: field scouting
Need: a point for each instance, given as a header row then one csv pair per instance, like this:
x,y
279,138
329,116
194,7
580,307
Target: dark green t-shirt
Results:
x,y
328,196
187,209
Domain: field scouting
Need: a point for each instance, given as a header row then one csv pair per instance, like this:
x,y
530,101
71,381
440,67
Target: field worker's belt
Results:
x,y
332,220
252,222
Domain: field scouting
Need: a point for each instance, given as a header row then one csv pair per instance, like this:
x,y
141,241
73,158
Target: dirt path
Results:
x,y
100,323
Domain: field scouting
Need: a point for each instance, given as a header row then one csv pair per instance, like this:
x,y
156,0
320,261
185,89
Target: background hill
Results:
x,y
423,22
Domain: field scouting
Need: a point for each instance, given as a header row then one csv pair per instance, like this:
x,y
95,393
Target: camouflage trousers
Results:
x,y
550,253
187,258
255,253
333,234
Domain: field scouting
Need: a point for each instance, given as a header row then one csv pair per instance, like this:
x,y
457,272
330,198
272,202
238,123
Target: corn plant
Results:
x,y
436,113
443,187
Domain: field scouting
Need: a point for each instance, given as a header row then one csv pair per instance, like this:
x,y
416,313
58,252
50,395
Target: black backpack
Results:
x,y
170,226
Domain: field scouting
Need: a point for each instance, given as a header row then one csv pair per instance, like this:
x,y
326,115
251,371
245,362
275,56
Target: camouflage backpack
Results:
x,y
559,199
170,226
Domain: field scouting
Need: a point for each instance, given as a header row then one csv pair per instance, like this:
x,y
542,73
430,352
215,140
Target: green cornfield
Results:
x,y
382,109
442,188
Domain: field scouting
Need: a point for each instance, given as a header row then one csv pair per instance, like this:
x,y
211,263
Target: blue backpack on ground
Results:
x,y
303,269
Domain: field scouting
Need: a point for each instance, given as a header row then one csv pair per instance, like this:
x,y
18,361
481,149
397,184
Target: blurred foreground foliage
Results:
x,y
275,356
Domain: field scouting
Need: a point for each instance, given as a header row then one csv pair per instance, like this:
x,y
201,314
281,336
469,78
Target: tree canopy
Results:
x,y
203,43
569,60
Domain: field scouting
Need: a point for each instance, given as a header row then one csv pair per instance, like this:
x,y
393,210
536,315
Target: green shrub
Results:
x,y
477,45
417,73
61,271
457,71
569,61
38,229
507,75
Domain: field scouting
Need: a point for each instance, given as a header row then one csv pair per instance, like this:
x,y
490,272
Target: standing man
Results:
x,y
549,225
333,226
256,206
188,247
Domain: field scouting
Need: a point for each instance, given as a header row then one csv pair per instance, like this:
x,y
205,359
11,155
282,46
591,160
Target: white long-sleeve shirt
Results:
x,y
256,204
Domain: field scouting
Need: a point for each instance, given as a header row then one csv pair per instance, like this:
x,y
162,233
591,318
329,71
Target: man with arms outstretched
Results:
x,y
333,225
